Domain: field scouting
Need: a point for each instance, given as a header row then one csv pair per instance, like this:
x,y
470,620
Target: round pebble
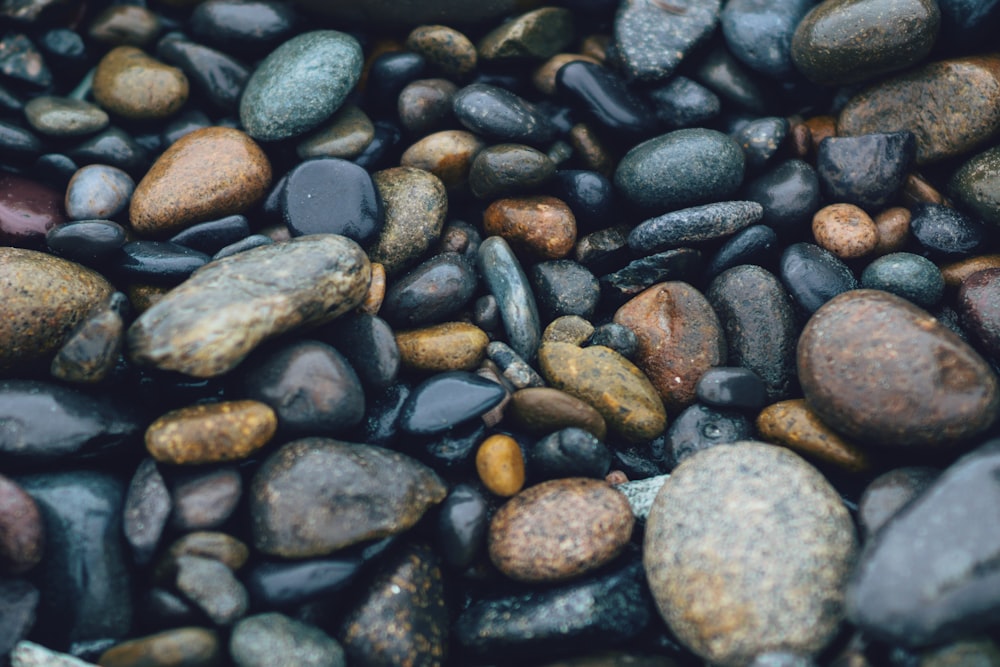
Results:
x,y
130,84
98,192
845,230
452,346
543,226
65,117
907,275
500,465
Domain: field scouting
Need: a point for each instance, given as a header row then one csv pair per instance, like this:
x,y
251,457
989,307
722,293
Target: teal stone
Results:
x,y
976,185
904,274
506,281
679,169
300,85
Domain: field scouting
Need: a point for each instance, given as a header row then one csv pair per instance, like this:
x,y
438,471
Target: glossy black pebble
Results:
x,y
446,400
732,387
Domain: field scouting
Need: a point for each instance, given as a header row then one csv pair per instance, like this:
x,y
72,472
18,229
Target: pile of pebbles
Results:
x,y
618,332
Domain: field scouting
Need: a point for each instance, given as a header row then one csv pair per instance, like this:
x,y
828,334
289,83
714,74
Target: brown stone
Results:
x,y
22,532
178,647
820,127
890,492
544,410
211,433
879,370
444,47
596,47
142,297
543,226
571,329
559,529
125,25
345,135
951,106
591,150
544,78
376,291
448,155
679,339
979,306
44,299
27,211
205,175
452,346
500,465
845,230
916,190
794,425
893,225
129,83
536,35
955,273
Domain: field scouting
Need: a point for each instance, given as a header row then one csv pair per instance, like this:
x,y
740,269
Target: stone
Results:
x,y
425,105
217,78
564,287
570,452
974,185
300,85
845,230
98,192
416,205
282,584
889,493
131,84
708,222
542,226
543,410
500,465
679,339
452,346
461,526
211,433
22,532
147,508
314,496
214,235
868,170
508,169
381,12
30,654
789,191
955,273
979,307
446,400
700,427
219,546
536,35
847,41
272,638
432,292
64,116
893,226
653,40
332,196
245,28
129,25
878,369
444,47
606,99
506,281
944,232
905,274
347,134
733,387
369,345
645,272
211,586
610,383
204,498
641,494
961,88
205,327
813,275
28,210
447,154
682,102
113,147
792,424
184,647
761,140
497,114
761,567
759,33
18,601
205,175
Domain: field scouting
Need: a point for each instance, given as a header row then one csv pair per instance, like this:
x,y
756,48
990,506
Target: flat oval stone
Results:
x,y
211,433
300,84
156,262
653,40
508,169
846,41
793,425
979,306
756,245
189,647
679,339
431,292
64,116
45,299
205,175
878,369
28,210
212,588
444,47
506,281
497,113
346,135
214,235
98,192
452,346
446,400
813,275
113,147
703,166
945,232
283,584
542,225
500,465
272,638
207,325
219,78
742,600
965,89
610,383
315,496
416,205
130,84
560,529
845,230
222,547
707,222
242,27
22,531
204,498
332,196
975,185
369,345
904,274
147,508
544,410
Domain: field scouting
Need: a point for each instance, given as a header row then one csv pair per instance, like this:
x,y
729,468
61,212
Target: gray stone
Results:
x,y
707,222
211,586
653,38
505,279
275,639
976,185
64,116
416,205
29,654
641,493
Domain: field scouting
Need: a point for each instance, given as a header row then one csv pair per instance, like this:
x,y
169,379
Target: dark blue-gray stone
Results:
x,y
158,262
813,275
907,275
218,77
461,526
789,193
21,61
247,243
431,292
506,281
759,33
866,170
637,275
564,287
682,102
754,245
732,387
700,427
332,196
590,195
446,400
497,113
965,24
98,192
693,225
213,588
273,639
113,147
86,241
301,84
944,232
18,602
932,573
604,95
726,76
761,139
212,236
242,27
890,492
652,39
147,508
282,584
369,344
83,578
681,168
19,142
758,319
570,452
976,185
618,337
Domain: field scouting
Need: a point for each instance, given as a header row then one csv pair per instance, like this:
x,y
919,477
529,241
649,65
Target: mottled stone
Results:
x,y
416,205
205,175
544,410
99,192
213,588
207,544
508,169
542,225
314,496
130,84
760,567
889,493
845,230
563,287
345,135
182,647
868,170
147,507
907,275
641,494
944,232
793,425
500,115
536,35
444,47
22,532
505,279
653,39
452,346
273,638
205,327
814,275
759,33
955,273
64,116
28,210
211,432
708,222
979,306
500,465
878,369
448,155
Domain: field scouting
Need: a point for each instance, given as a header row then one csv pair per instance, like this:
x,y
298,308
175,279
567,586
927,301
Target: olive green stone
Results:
x,y
976,185
64,116
416,204
537,35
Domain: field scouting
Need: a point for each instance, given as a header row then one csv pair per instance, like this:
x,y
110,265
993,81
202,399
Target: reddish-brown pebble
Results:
x,y
794,425
178,647
544,410
954,274
22,532
452,346
559,529
916,190
130,84
448,155
820,127
591,150
845,230
893,225
543,226
205,175
27,211
500,465
979,306
211,433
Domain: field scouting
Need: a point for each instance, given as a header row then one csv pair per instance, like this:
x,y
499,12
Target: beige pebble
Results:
x,y
845,230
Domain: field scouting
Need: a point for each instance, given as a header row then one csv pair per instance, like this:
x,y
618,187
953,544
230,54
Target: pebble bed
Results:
x,y
615,333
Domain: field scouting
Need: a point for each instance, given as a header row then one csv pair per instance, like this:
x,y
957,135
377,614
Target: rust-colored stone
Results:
x,y
893,225
211,433
794,425
543,226
845,230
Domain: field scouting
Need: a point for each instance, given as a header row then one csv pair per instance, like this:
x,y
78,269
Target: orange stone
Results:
x,y
543,226
211,433
452,346
794,425
500,465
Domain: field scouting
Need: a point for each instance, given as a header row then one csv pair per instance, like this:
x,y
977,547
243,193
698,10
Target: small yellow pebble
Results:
x,y
500,465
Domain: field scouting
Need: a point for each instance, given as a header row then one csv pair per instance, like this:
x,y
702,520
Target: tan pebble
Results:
x,y
591,150
445,47
543,410
205,175
820,127
571,329
893,225
559,529
452,346
448,155
222,547
916,190
544,78
845,230
616,477
500,465
129,83
596,47
955,273
543,226
794,425
211,433
376,291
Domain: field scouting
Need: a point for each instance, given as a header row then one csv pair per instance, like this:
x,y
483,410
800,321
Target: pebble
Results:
x,y
46,298
211,586
346,135
205,175
879,369
22,531
332,196
204,498
589,195
610,383
964,89
498,114
125,25
619,338
425,105
18,601
508,169
938,540
564,287
147,507
214,235
113,147
904,274
222,547
544,410
975,183
369,345
536,35
91,352
559,530
300,85
792,424
446,400
847,41
219,78
845,230
461,527
432,292
789,191
242,27
28,210
889,493
759,33
283,584
134,86
708,222
719,71
893,226
979,307
699,427
273,638
452,346
416,205
735,387
813,275
505,279
447,154
183,647
388,74
570,452
64,116
211,433
642,273
500,465
945,233
705,166
679,339
192,329
444,47
868,170
755,245
29,654
98,192
653,41
606,99
543,226
19,142
742,602
682,102
314,496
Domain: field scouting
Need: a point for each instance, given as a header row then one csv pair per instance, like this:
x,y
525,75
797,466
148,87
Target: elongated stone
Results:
x,y
506,281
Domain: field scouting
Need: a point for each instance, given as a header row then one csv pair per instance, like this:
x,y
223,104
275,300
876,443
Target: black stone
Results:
x,y
389,74
212,236
606,98
701,427
332,196
55,169
759,33
944,232
588,194
682,102
182,125
376,154
867,170
380,426
453,453
509,169
757,244
281,585
158,262
461,526
790,195
19,143
369,345
637,275
115,148
729,79
570,452
698,224
734,388
430,293
618,337
18,602
65,52
603,251
563,287
243,27
218,77
247,243
652,40
761,139
147,507
499,114
88,242
813,275
447,400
